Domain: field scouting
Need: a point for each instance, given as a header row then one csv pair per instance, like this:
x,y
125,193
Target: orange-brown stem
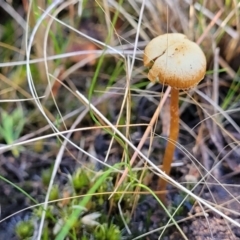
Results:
x,y
173,135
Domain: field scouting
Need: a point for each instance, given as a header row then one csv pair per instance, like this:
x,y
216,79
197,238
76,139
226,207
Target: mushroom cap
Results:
x,y
175,61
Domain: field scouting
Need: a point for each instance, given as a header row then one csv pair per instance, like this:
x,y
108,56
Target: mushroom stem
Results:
x,y
173,135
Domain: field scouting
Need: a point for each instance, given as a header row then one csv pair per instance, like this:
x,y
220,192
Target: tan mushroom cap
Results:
x,y
175,61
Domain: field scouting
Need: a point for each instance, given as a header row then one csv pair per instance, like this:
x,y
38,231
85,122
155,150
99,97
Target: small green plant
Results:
x,y
11,126
80,180
46,176
24,230
107,232
54,194
84,195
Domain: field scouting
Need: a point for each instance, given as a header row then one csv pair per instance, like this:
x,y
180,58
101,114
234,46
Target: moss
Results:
x,y
25,229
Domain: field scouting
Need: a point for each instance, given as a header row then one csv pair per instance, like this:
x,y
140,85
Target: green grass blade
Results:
x,y
18,188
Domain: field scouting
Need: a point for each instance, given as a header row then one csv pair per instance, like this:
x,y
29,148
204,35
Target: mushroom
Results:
x,y
179,63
